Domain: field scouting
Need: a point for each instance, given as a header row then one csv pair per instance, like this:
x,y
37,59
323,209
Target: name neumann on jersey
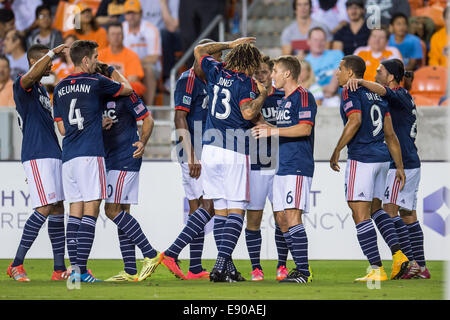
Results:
x,y
84,88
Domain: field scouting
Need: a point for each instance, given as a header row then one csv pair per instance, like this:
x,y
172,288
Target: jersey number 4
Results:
x,y
75,115
225,102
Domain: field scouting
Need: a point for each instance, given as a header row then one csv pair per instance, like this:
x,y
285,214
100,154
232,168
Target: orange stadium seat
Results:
x,y
435,12
429,85
415,4
441,3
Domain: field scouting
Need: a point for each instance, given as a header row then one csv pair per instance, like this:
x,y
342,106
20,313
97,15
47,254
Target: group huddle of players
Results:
x,y
96,111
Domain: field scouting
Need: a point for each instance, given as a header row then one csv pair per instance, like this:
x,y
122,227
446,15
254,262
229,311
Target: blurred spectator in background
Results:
x,y
422,27
15,50
332,13
63,65
439,44
109,11
308,81
44,34
6,84
376,51
143,38
294,38
409,45
24,12
7,22
125,60
89,29
323,62
355,34
164,15
387,8
194,17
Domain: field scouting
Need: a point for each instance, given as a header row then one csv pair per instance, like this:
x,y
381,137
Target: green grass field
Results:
x,y
332,280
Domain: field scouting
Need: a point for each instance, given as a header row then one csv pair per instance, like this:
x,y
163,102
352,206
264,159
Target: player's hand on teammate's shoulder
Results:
x,y
107,123
353,84
243,40
334,161
139,152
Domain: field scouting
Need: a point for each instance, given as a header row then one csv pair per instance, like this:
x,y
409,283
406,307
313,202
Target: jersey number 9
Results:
x,y
376,121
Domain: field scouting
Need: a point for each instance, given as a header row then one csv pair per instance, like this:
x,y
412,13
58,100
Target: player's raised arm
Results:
x,y
394,149
214,47
111,72
354,84
40,67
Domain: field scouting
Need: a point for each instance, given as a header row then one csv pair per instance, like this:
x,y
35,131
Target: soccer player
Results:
x,y
124,149
404,119
191,108
233,106
367,126
41,158
261,182
292,182
78,109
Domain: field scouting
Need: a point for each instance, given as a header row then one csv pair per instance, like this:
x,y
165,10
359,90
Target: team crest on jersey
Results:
x,y
288,105
187,100
111,105
252,95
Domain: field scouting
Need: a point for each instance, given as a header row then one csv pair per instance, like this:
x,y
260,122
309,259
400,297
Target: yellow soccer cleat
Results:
x,y
377,274
122,276
149,266
399,265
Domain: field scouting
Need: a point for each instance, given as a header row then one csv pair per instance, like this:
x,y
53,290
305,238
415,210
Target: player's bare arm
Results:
x,y
251,109
185,138
394,149
146,131
299,130
39,68
354,84
115,75
350,129
214,47
61,129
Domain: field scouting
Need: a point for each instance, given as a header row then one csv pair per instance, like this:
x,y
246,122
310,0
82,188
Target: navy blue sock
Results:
x,y
195,253
73,224
30,232
387,229
231,232
129,225
416,240
367,237
128,250
300,248
253,240
288,239
219,222
282,248
403,237
58,239
85,239
194,226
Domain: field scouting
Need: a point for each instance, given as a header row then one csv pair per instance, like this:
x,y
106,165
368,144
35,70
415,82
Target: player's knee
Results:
x,y
58,208
208,205
45,210
112,210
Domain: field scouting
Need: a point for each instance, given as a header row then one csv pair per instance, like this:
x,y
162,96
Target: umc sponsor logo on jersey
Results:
x,y
436,211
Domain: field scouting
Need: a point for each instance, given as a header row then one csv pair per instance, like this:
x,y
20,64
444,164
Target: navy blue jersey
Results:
x,y
269,112
296,156
404,119
119,139
34,110
368,143
227,90
78,102
191,96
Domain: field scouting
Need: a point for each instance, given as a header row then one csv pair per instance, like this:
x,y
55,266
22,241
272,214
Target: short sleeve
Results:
x,y
137,107
184,94
210,67
350,102
18,84
247,91
109,87
57,115
307,108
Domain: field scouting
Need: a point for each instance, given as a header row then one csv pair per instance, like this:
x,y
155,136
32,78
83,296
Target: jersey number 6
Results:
x,y
78,119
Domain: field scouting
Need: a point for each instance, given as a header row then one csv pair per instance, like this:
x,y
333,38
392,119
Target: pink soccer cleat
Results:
x,y
173,266
201,275
282,272
257,275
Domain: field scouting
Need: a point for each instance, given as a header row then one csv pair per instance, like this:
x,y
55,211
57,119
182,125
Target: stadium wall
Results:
x,y
163,209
